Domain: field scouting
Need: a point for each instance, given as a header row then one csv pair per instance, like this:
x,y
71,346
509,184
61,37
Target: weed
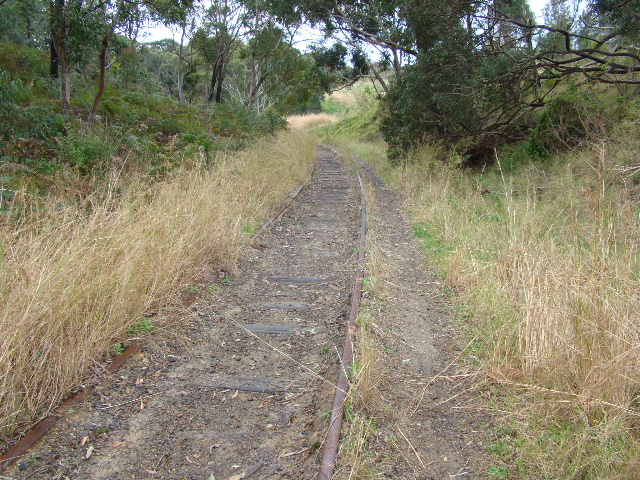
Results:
x,y
349,414
89,271
144,326
248,228
498,471
304,122
547,264
353,369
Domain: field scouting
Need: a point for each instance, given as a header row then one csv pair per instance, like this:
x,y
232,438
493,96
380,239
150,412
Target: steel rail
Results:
x,y
44,425
332,439
270,220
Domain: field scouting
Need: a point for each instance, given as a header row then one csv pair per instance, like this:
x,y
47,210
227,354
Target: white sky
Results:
x,y
161,32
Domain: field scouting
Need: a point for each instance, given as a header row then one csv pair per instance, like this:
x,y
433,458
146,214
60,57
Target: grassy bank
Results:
x,y
73,283
545,258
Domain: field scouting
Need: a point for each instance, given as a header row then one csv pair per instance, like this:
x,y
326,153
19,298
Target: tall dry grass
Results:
x,y
548,260
305,122
71,283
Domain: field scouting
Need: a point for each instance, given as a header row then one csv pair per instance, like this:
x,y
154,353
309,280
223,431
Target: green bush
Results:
x,y
23,62
565,123
85,150
26,131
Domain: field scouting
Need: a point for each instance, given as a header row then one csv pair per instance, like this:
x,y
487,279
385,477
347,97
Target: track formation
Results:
x,y
243,388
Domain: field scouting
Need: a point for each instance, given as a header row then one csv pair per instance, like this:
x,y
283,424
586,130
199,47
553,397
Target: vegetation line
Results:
x,y
543,262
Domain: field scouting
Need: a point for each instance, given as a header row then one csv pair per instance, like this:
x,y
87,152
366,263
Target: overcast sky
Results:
x,y
160,32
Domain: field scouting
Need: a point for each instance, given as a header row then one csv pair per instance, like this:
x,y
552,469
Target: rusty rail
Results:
x,y
332,439
270,220
43,426
40,429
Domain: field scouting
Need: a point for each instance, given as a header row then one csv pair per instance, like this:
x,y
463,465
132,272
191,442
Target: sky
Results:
x,y
161,32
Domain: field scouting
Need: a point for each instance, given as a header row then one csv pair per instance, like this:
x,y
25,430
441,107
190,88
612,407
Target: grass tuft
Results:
x,y
304,122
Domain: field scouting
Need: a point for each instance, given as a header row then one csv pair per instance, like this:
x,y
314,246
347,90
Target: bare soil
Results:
x,y
240,386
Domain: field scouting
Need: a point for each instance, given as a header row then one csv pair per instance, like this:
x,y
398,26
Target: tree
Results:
x,y
218,39
483,66
59,12
24,22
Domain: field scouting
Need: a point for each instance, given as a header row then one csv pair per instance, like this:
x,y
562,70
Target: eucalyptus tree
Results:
x,y
370,28
24,22
218,38
83,27
483,66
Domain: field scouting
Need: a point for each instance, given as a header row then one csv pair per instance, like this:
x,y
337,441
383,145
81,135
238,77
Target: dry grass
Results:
x,y
548,261
305,122
71,284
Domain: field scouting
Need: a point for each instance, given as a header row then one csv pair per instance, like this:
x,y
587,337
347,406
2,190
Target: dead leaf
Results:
x,y
290,454
188,460
235,394
118,444
141,405
139,380
84,440
89,451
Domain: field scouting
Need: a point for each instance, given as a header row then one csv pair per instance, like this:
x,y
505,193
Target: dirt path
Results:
x,y
241,387
429,422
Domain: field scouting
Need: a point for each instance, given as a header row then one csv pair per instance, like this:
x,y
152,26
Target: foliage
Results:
x,y
564,123
26,131
84,150
482,69
623,14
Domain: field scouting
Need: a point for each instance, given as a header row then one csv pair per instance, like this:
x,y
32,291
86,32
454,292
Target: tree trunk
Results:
x,y
65,81
59,38
397,68
101,79
54,61
214,80
253,87
219,88
180,64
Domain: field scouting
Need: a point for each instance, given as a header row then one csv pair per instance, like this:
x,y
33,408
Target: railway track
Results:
x,y
244,388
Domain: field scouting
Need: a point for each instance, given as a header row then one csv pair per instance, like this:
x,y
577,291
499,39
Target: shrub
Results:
x,y
564,124
85,150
